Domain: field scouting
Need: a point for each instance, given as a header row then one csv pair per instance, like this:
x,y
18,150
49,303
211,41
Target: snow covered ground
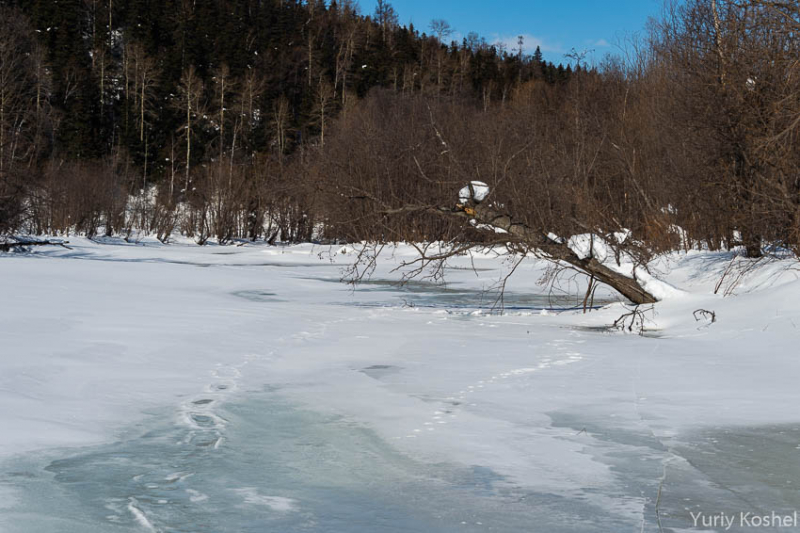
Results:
x,y
243,388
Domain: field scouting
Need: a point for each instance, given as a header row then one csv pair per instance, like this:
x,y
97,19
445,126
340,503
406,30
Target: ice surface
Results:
x,y
178,386
281,469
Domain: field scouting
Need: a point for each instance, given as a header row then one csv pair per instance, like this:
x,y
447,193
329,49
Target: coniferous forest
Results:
x,y
290,120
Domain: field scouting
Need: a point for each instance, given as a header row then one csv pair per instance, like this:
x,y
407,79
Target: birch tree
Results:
x,y
190,89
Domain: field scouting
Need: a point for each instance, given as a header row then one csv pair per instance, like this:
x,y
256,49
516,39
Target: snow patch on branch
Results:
x,y
478,192
589,245
487,227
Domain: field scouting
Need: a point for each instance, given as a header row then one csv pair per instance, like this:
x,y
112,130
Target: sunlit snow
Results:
x,y
147,387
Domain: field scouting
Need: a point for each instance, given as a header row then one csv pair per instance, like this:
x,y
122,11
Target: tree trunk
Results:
x,y
628,287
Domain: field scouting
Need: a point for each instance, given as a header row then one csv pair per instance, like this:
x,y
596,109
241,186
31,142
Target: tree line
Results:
x,y
296,121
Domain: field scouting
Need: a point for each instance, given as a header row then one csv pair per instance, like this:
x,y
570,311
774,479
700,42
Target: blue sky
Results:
x,y
555,26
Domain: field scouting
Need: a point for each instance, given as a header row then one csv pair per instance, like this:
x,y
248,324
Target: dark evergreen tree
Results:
x,y
296,50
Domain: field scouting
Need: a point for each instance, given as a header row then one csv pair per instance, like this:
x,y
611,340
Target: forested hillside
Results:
x,y
295,121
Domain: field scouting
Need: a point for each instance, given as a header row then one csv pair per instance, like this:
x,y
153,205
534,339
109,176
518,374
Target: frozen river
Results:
x,y
278,400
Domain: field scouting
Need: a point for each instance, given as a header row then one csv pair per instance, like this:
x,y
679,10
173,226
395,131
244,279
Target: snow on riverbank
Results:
x,y
94,338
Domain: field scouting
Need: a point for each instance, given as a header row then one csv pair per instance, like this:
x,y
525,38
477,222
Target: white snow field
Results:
x,y
180,388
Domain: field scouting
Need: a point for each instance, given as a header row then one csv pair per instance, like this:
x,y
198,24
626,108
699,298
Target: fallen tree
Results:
x,y
557,250
519,237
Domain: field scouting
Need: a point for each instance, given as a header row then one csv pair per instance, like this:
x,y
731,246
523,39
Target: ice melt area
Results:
x,y
281,469
184,388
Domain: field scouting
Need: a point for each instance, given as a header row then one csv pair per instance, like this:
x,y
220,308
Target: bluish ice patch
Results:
x,y
261,464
